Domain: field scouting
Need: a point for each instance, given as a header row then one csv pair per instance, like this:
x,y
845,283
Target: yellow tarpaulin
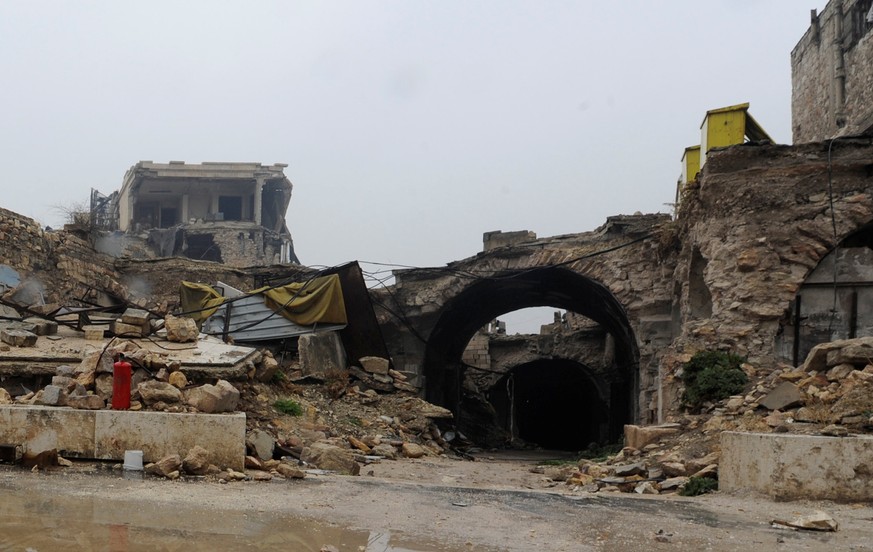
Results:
x,y
317,301
199,301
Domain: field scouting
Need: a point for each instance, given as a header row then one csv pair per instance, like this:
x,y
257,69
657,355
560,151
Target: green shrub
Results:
x,y
699,485
279,377
288,406
712,376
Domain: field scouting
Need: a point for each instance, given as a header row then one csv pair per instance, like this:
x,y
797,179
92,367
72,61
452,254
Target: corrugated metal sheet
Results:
x,y
251,320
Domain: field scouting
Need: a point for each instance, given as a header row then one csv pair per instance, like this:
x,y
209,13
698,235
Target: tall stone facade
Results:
x,y
832,74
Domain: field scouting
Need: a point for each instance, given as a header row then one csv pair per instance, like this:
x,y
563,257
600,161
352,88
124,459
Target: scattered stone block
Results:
x,y
221,397
178,380
639,436
18,338
267,367
817,521
834,430
673,483
181,329
121,329
626,470
375,365
331,457
261,443
103,386
86,402
94,333
52,395
152,392
840,372
166,466
290,472
358,444
785,395
405,386
196,462
137,317
384,449
42,326
412,450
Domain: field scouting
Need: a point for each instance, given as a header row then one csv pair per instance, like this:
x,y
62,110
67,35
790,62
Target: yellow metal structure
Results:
x,y
727,126
690,164
721,127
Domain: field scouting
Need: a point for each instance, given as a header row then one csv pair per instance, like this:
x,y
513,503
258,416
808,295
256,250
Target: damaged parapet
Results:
x,y
498,238
233,213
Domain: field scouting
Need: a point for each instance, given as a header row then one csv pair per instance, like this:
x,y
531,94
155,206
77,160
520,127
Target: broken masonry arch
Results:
x,y
487,298
835,299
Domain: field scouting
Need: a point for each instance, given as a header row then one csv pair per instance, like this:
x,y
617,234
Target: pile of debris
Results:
x,y
830,394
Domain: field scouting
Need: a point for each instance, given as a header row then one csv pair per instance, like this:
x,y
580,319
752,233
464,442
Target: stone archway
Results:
x,y
487,298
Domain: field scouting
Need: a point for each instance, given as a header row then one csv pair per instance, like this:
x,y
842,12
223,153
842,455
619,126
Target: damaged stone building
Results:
x,y
769,254
230,213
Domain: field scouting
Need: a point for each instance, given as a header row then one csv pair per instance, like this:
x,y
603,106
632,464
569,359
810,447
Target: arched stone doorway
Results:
x,y
509,291
835,300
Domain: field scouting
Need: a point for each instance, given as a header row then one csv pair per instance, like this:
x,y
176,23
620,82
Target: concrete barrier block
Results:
x,y
159,434
41,428
797,466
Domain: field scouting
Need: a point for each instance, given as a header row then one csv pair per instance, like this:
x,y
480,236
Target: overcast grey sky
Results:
x,y
410,127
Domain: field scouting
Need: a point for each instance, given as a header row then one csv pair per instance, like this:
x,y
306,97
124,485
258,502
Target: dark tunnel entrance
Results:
x,y
602,408
554,404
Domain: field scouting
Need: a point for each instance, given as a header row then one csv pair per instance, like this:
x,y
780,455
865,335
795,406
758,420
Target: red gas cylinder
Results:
x,y
121,372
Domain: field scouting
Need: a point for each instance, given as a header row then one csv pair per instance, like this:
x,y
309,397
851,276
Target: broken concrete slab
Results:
x,y
785,395
42,326
18,338
321,354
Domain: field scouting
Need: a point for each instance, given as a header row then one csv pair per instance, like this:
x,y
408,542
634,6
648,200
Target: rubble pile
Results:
x,y
376,374
830,394
341,434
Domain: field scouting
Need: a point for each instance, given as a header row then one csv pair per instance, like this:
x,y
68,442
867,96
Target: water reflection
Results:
x,y
38,521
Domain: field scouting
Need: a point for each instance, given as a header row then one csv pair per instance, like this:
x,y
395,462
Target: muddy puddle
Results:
x,y
39,520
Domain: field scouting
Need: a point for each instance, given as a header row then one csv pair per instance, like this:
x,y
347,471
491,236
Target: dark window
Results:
x,y
231,206
168,217
202,247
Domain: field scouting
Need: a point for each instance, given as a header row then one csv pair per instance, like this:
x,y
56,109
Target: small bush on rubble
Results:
x,y
288,406
712,376
699,485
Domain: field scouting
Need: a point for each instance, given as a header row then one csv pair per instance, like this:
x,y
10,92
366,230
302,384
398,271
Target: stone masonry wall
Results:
x,y
24,245
815,110
752,229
